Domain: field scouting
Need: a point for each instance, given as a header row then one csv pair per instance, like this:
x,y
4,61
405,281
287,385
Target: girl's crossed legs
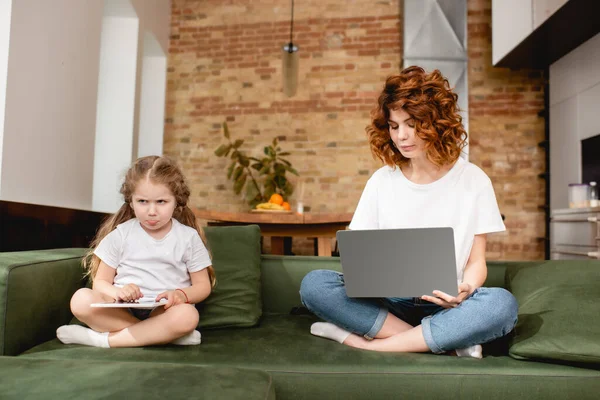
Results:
x,y
407,324
121,329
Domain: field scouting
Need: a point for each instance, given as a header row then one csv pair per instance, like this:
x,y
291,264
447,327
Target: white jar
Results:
x,y
578,195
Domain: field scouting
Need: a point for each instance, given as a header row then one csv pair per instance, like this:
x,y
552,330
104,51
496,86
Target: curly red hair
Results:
x,y
430,102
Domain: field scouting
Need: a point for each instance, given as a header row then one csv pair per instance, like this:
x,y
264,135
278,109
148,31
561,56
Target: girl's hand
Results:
x,y
173,297
129,293
445,300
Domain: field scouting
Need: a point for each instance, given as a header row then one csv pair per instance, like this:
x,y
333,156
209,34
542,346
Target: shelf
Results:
x,y
570,26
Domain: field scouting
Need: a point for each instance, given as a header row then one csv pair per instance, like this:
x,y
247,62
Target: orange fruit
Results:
x,y
276,199
286,206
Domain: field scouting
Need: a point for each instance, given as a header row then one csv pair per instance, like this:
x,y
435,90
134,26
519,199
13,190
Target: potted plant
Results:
x,y
261,180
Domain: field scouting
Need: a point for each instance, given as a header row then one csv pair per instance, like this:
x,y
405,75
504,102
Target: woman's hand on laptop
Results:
x,y
447,301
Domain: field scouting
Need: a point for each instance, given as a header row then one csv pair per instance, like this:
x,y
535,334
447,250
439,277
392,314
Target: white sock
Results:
x,y
190,339
471,351
81,335
329,331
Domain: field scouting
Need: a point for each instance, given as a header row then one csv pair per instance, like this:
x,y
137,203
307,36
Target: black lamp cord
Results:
x,y
291,45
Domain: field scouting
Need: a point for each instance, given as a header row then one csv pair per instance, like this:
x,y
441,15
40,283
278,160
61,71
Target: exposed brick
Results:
x,y
225,65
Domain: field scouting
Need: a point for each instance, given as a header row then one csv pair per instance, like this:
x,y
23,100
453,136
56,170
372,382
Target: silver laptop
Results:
x,y
398,262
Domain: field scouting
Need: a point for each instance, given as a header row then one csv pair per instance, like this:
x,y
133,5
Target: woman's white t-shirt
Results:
x,y
463,199
153,265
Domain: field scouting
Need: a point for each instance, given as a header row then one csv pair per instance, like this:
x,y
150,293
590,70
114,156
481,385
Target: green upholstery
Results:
x,y
559,311
304,366
22,378
35,291
236,299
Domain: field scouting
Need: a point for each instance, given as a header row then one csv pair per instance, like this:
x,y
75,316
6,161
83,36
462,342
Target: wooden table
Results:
x,y
278,226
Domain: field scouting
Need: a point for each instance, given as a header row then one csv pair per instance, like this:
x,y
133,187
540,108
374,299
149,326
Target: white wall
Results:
x,y
51,88
122,126
115,109
512,21
543,9
152,101
5,14
574,115
48,148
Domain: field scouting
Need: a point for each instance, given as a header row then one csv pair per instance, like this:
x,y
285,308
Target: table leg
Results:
x,y
277,245
324,246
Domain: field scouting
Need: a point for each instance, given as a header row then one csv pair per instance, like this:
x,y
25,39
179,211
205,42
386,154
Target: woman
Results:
x,y
417,132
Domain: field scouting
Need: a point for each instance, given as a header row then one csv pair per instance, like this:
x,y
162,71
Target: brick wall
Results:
x,y
505,130
225,65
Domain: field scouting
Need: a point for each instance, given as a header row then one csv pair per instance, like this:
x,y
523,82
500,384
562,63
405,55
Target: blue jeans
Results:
x,y
487,314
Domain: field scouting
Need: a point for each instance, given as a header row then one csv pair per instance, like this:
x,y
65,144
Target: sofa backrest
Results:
x,y
281,277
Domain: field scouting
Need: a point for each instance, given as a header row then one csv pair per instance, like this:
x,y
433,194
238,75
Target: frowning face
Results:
x,y
153,205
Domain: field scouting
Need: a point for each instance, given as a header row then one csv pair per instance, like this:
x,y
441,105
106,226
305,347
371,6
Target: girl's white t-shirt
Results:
x,y
153,265
463,199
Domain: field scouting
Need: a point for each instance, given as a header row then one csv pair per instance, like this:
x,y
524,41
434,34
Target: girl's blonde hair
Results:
x,y
159,170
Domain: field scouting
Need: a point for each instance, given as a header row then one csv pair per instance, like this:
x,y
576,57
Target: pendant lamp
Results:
x,y
290,63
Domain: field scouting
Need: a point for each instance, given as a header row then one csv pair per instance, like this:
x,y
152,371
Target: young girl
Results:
x,y
417,131
151,249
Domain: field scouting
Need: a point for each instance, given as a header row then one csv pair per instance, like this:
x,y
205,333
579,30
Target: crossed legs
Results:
x,y
122,329
488,314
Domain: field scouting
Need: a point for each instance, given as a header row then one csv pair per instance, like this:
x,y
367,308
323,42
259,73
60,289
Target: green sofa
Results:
x,y
554,353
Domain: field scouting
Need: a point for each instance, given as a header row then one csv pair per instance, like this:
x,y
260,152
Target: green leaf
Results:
x,y
235,154
266,150
238,171
251,191
280,181
291,170
222,150
244,161
264,170
286,162
288,189
238,143
285,153
257,166
226,130
239,184
269,190
279,169
230,170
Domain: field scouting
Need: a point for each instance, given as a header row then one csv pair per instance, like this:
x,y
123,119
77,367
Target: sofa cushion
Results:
x,y
24,378
236,299
558,311
308,367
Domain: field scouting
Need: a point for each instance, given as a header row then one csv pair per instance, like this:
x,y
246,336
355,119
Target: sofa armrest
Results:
x,y
35,291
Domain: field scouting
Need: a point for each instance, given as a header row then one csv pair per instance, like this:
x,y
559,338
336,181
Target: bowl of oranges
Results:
x,y
275,204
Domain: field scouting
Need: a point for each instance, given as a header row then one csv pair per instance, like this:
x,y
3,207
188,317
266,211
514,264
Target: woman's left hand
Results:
x,y
445,300
173,297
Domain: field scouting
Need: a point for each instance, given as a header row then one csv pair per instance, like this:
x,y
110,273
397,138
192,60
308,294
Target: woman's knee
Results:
x,y
503,308
317,284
